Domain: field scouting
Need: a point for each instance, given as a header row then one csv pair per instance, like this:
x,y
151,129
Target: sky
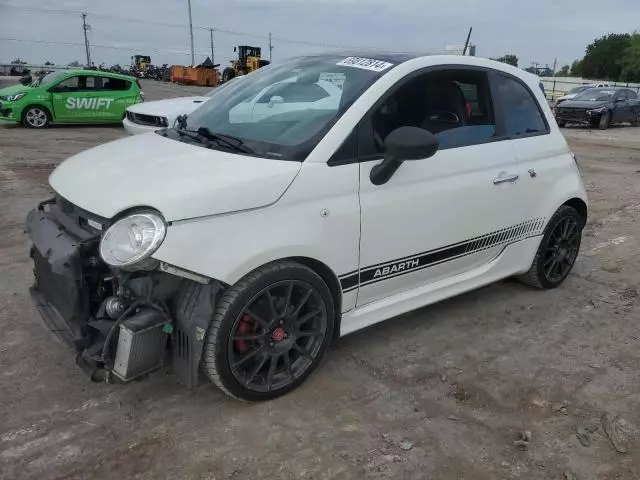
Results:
x,y
535,31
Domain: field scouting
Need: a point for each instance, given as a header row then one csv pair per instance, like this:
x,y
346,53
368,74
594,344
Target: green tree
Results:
x,y
630,61
564,71
75,63
49,63
576,68
18,61
508,59
603,56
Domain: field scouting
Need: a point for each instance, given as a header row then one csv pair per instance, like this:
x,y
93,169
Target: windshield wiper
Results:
x,y
203,134
194,136
228,140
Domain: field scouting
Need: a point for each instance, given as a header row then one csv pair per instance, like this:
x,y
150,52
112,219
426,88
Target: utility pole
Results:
x,y
553,89
270,46
86,27
193,57
212,59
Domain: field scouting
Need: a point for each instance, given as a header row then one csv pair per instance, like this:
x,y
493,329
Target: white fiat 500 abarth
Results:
x,y
311,199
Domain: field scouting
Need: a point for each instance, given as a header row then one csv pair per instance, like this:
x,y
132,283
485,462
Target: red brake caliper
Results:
x,y
247,325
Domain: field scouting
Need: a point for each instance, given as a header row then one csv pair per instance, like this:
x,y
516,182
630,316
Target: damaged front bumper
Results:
x,y
121,325
579,116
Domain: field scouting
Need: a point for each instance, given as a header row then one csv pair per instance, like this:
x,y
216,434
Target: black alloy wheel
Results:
x,y
558,250
277,336
561,249
269,332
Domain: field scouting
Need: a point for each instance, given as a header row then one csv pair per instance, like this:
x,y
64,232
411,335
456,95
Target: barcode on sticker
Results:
x,y
365,63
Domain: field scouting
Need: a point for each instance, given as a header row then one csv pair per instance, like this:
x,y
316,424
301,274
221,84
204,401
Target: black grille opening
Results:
x,y
149,120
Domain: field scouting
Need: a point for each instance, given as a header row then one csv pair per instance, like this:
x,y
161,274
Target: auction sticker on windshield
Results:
x,y
365,63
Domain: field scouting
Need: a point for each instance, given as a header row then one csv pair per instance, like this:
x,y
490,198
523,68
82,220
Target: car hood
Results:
x,y
13,89
179,180
582,104
169,108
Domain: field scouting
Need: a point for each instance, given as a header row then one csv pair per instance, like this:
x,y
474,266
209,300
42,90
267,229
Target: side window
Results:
x,y
70,84
90,83
454,105
115,84
521,110
79,83
631,95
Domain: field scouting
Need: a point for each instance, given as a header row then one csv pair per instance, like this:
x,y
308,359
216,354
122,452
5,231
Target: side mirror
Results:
x,y
275,100
403,144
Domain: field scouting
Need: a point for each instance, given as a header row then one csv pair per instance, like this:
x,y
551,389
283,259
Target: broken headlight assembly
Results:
x,y
596,111
130,241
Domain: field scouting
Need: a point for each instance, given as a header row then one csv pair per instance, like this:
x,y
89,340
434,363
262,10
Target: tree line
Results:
x,y
614,57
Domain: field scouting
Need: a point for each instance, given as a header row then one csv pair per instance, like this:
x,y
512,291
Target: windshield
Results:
x,y
48,78
282,111
579,89
222,87
595,95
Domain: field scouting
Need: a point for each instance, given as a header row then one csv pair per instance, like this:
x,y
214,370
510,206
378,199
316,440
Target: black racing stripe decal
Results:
x,y
412,263
415,263
349,281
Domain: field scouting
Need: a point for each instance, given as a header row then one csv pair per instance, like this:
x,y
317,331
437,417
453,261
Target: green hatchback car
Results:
x,y
70,96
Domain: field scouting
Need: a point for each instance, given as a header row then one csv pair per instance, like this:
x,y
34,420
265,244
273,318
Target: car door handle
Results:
x,y
505,178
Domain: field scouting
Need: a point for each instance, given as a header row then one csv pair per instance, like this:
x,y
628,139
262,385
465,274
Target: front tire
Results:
x,y
558,250
562,123
605,119
36,116
269,332
636,122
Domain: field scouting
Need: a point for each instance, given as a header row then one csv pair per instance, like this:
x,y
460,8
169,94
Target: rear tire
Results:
x,y
269,332
558,250
562,123
228,74
36,116
636,122
605,120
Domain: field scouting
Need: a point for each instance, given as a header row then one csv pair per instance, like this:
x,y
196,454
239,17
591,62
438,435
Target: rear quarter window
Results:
x,y
522,113
115,84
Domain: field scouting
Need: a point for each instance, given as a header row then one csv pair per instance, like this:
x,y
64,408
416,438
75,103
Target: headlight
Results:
x,y
13,98
132,239
597,110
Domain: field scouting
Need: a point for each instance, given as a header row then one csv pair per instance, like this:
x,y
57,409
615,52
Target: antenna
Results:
x,y
466,44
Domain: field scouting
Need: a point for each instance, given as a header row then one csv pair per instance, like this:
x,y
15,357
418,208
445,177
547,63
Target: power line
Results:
x,y
175,25
109,47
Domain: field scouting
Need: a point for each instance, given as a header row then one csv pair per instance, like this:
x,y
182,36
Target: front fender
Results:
x,y
318,218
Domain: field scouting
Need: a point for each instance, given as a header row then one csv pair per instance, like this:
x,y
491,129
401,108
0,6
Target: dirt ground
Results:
x,y
440,393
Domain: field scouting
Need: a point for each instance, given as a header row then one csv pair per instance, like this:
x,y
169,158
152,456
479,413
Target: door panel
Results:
x,y
437,217
620,111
